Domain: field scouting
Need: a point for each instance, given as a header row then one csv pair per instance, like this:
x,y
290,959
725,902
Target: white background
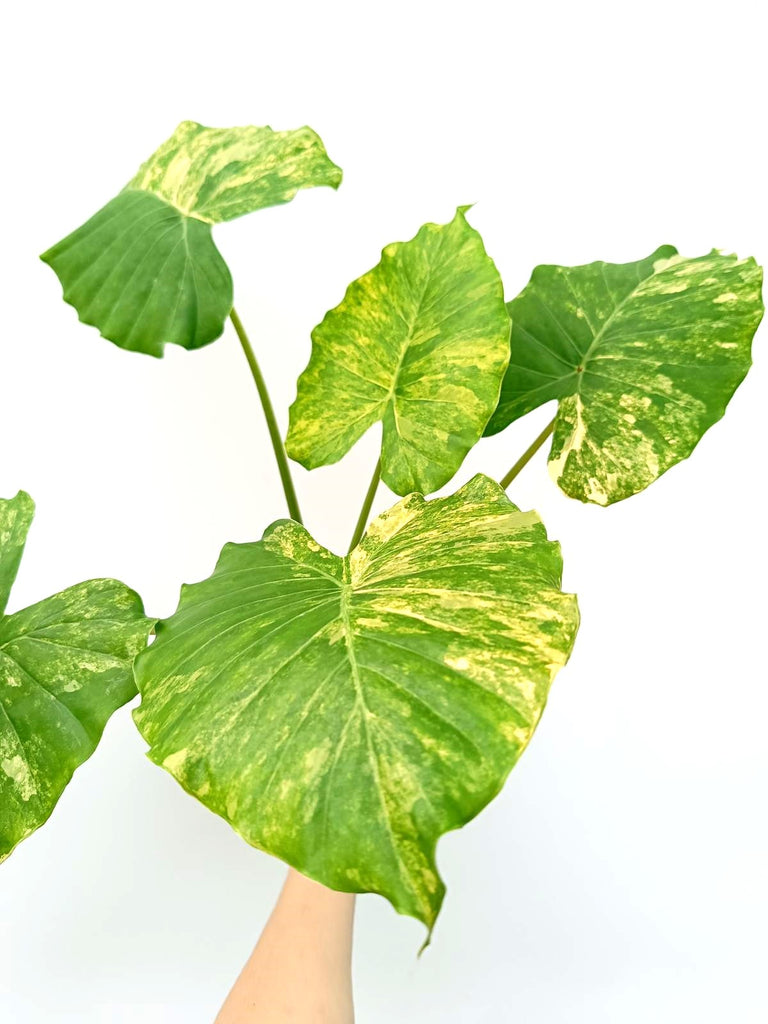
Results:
x,y
621,876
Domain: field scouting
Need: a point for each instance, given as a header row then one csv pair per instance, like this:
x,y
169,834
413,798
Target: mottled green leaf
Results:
x,y
65,667
343,713
145,269
420,342
642,357
15,519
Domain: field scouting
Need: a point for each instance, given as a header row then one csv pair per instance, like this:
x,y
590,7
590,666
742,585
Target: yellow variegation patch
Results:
x,y
343,713
642,357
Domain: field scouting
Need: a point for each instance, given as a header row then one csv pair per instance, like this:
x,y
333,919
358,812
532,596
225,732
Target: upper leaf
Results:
x,y
643,358
343,713
145,269
65,667
420,342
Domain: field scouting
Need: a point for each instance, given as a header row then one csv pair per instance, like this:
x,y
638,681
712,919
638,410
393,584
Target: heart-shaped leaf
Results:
x,y
420,342
145,269
642,357
65,667
343,713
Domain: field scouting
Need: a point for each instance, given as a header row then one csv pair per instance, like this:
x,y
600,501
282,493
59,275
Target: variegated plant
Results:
x,y
343,712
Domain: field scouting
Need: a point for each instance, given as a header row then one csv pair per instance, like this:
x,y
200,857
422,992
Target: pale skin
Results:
x,y
301,969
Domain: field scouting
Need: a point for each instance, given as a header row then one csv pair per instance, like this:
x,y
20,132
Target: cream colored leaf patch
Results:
x,y
421,342
642,357
145,269
343,713
65,667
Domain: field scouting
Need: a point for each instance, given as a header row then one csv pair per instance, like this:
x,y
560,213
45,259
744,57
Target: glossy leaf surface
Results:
x,y
642,358
145,269
421,342
343,713
65,667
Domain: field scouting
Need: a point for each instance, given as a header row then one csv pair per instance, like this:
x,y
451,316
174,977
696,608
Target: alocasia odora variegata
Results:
x,y
343,712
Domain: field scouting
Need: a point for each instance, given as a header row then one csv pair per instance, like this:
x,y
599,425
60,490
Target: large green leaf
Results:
x,y
642,357
343,713
145,269
65,667
420,342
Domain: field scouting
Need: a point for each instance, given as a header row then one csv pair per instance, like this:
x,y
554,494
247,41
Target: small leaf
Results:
x,y
16,517
420,342
642,357
65,667
145,269
343,713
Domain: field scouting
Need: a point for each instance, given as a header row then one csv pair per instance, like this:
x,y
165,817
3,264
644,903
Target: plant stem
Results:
x,y
527,455
269,414
365,511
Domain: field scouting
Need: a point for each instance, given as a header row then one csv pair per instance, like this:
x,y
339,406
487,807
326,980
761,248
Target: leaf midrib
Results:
x,y
41,686
598,337
347,592
174,206
408,341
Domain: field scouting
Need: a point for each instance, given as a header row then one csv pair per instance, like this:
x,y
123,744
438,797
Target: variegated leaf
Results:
x,y
145,269
16,517
65,667
420,342
642,357
343,713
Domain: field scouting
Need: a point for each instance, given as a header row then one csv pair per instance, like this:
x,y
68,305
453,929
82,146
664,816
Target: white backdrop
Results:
x,y
621,875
